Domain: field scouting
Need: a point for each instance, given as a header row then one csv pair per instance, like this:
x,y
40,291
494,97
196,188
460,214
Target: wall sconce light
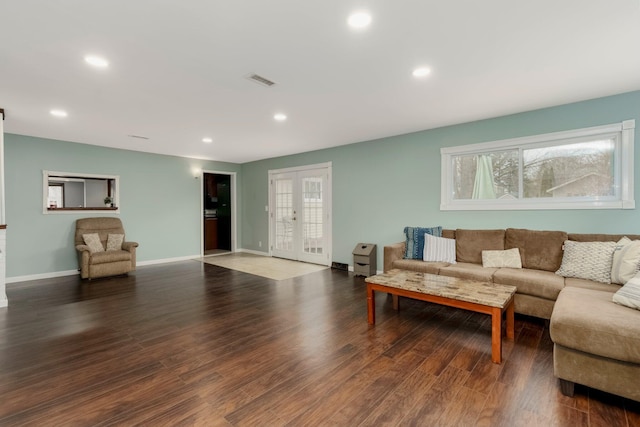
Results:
x,y
196,172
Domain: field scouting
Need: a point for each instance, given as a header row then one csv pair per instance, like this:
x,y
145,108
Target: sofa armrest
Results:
x,y
392,253
82,248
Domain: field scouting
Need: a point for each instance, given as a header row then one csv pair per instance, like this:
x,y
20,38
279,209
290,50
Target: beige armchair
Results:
x,y
103,263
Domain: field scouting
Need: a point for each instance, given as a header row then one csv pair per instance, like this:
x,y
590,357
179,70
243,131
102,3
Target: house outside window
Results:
x,y
589,168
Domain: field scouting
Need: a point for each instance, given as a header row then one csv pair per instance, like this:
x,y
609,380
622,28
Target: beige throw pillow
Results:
x,y
114,242
626,260
93,241
587,260
509,258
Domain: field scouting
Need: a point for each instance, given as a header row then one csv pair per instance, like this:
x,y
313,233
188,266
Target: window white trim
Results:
x,y
624,170
77,176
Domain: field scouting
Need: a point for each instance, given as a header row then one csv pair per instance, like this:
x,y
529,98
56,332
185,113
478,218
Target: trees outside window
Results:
x,y
580,169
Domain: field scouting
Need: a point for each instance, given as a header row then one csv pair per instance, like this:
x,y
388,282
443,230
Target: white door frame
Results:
x,y
329,203
234,210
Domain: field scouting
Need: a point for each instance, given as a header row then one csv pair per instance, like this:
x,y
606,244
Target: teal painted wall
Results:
x,y
378,188
159,199
381,186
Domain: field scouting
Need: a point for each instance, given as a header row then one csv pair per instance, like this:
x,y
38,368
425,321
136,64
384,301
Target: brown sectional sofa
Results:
x,y
596,342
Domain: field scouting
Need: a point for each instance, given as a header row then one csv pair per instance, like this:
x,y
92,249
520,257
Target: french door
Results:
x,y
299,214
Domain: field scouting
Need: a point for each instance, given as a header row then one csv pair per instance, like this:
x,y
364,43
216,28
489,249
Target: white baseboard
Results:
x,y
52,275
166,260
17,279
4,302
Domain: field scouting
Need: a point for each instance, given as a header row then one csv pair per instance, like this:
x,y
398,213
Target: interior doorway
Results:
x,y
218,213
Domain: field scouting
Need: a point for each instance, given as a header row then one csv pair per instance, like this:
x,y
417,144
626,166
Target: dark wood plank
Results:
x,y
411,392
193,344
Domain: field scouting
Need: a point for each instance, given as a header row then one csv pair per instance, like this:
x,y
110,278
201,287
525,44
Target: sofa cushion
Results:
x,y
587,260
110,256
538,283
588,321
539,250
448,234
418,265
414,238
590,284
465,270
581,237
471,243
533,306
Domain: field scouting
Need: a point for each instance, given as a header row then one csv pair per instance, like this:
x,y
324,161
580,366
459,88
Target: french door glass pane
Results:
x,y
312,215
284,214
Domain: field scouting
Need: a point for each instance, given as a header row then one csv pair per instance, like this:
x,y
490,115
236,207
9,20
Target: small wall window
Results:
x,y
72,192
589,168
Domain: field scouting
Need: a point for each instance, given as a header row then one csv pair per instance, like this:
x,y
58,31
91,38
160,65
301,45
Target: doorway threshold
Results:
x,y
216,252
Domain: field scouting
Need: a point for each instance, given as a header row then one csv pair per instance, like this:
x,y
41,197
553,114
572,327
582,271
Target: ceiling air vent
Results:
x,y
260,80
138,136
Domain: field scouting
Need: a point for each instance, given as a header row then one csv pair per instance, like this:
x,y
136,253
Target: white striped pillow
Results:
x,y
629,294
439,249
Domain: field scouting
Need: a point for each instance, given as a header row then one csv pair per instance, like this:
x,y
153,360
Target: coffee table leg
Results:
x,y
371,307
395,300
496,335
510,321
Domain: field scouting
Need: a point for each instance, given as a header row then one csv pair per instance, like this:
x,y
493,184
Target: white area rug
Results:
x,y
271,268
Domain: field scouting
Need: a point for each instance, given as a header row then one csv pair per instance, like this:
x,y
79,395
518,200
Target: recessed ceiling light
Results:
x,y
207,140
359,20
58,113
96,61
421,72
280,117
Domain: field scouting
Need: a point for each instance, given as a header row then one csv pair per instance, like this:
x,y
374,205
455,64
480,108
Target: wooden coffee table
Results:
x,y
481,297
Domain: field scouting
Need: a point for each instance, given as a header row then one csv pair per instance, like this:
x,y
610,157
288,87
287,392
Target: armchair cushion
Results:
x,y
114,242
92,240
110,256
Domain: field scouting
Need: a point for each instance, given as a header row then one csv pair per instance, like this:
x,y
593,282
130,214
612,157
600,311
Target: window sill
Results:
x,y
54,211
83,209
552,205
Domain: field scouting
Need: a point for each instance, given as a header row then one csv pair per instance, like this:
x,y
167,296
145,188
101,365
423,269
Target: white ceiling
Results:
x,y
177,68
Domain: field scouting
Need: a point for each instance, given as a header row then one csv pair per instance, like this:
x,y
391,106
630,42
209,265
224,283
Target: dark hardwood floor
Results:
x,y
195,344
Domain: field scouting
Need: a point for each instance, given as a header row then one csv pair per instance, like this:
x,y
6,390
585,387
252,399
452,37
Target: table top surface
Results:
x,y
473,291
